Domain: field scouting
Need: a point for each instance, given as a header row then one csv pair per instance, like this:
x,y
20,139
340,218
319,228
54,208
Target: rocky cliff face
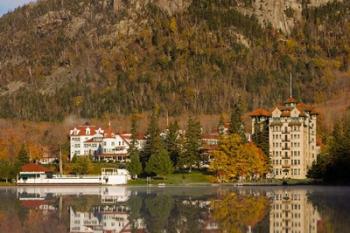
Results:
x,y
170,6
281,14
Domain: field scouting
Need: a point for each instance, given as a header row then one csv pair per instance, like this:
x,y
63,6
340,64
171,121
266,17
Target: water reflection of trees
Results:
x,y
333,209
219,211
157,212
27,216
237,213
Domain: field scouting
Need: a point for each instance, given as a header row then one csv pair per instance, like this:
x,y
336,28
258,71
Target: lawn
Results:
x,y
6,184
194,177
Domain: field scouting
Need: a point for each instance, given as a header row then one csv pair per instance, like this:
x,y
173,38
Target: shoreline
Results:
x,y
202,184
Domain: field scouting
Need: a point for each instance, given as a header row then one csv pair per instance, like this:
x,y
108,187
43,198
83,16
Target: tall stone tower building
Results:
x,y
292,138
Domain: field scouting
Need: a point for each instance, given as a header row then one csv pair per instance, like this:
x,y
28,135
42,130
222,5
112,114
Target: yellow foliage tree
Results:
x,y
173,25
235,159
35,151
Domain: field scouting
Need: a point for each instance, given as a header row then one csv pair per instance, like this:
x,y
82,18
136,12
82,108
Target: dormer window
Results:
x,y
87,131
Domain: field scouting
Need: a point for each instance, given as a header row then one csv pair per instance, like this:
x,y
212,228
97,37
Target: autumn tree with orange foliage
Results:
x,y
235,159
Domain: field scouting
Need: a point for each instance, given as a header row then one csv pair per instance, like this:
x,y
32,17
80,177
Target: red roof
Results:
x,y
109,133
82,130
290,100
260,112
32,167
307,108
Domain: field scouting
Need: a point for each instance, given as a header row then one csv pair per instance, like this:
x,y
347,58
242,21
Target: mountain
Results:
x,y
93,58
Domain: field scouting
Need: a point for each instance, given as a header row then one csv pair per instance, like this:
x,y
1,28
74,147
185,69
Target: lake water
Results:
x,y
175,209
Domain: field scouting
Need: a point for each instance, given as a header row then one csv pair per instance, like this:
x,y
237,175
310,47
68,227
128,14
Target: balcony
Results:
x,y
285,132
285,157
286,166
285,140
285,148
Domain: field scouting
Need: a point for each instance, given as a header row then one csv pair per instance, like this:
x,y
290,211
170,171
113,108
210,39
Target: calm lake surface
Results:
x,y
175,209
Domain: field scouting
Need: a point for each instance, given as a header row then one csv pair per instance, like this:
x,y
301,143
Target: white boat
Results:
x,y
33,174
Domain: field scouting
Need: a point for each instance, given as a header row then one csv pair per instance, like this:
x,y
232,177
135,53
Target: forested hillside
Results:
x,y
91,58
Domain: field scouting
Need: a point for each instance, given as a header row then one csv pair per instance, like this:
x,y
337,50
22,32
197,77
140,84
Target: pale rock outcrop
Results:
x,y
51,20
274,12
170,6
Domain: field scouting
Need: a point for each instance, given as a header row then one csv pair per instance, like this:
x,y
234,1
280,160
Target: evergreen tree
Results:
x,y
133,142
153,141
261,137
134,166
172,142
160,163
191,154
236,124
22,157
334,162
221,125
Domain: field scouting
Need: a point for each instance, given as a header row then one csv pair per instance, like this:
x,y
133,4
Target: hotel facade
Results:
x,y
292,138
100,144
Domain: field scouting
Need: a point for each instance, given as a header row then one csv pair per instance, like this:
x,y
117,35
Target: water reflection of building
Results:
x,y
291,212
103,219
108,194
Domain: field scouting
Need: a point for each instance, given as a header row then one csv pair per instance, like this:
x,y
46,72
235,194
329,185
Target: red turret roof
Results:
x,y
290,100
109,132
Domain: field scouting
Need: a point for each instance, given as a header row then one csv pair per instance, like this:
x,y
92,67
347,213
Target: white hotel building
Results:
x,y
101,144
292,138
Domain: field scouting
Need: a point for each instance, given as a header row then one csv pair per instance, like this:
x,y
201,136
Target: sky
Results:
x,y
9,5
